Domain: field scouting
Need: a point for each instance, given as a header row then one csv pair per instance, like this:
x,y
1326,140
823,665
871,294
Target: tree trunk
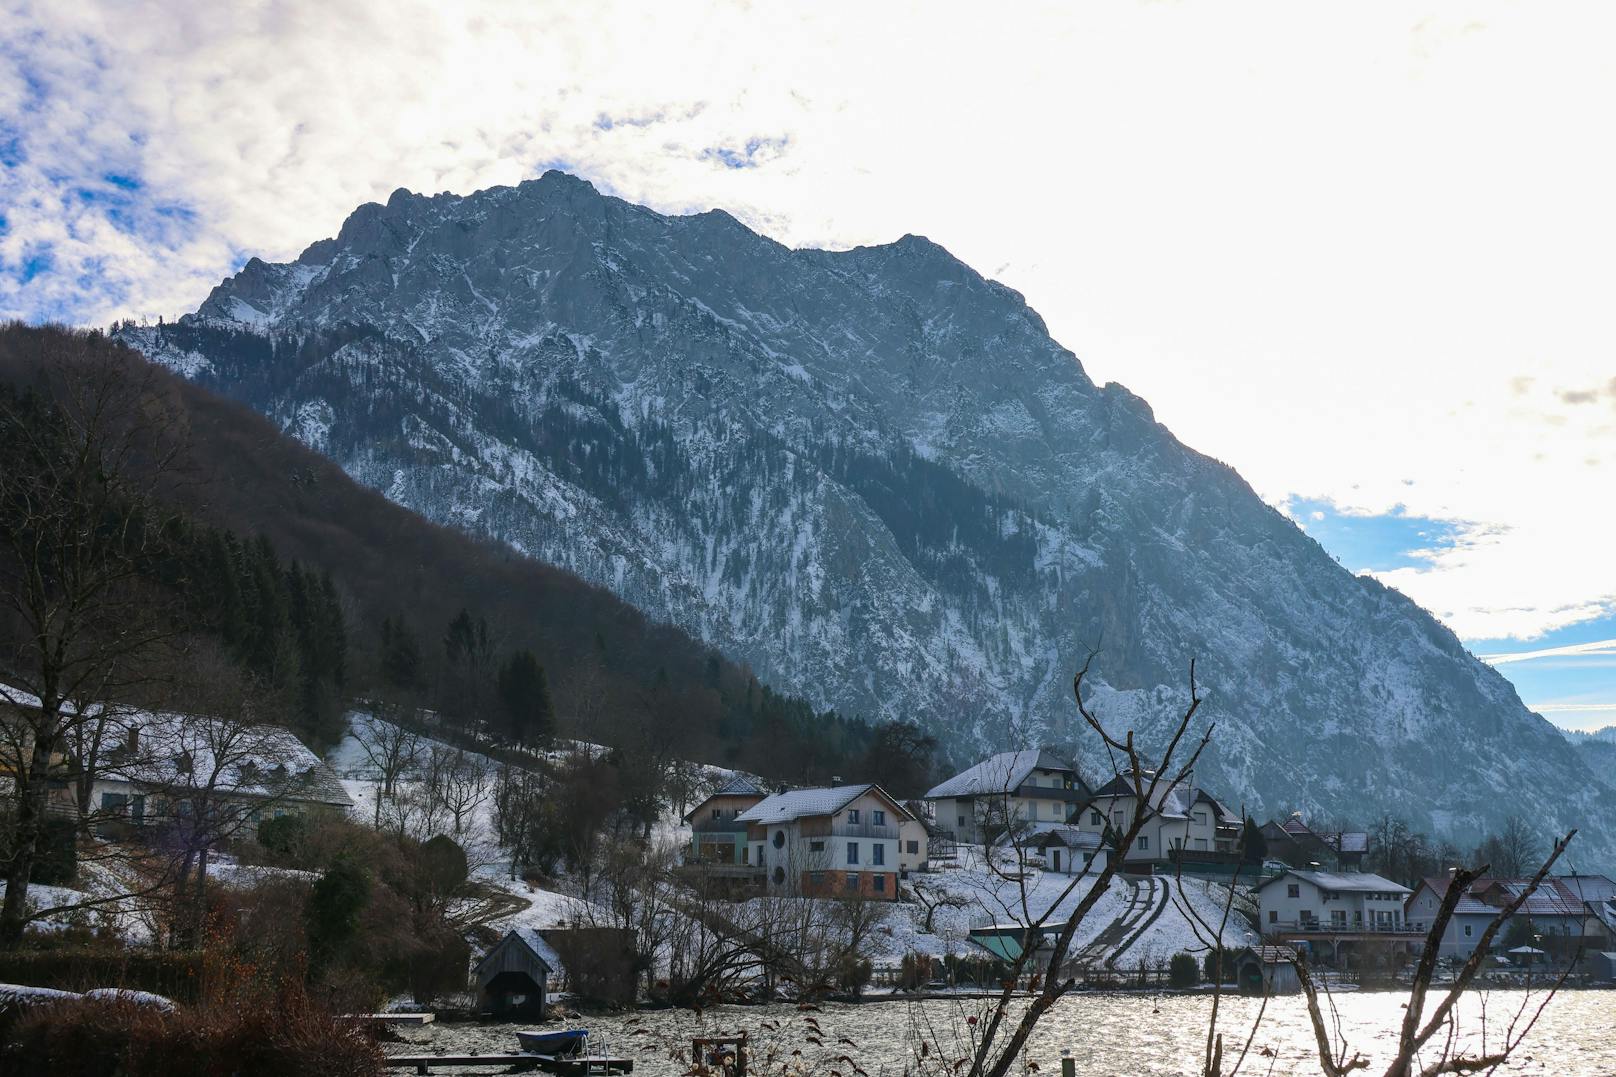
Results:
x,y
31,808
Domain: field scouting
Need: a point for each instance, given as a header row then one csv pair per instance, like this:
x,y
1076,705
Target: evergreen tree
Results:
x,y
401,655
1255,845
524,698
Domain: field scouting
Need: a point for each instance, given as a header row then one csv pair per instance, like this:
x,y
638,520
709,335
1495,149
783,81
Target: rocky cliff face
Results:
x,y
872,475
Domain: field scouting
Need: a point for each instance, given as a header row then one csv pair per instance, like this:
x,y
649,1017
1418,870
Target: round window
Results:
x,y
779,838
779,876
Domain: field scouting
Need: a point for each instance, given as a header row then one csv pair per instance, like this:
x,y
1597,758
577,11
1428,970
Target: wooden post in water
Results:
x,y
714,1050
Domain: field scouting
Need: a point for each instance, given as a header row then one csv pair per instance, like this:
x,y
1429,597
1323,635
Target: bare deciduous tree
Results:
x,y
391,748
84,457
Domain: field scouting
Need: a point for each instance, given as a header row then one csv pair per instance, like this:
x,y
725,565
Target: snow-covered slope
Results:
x,y
873,476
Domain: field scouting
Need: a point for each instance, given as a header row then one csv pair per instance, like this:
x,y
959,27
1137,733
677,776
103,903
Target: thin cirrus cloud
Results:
x,y
1358,253
1595,649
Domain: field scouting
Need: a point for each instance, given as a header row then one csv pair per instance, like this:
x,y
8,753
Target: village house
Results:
x,y
1300,846
1070,850
1320,901
716,835
170,764
1189,824
1565,912
1035,787
914,843
159,767
828,841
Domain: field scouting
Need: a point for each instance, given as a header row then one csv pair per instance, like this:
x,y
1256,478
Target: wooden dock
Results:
x,y
567,1065
388,1018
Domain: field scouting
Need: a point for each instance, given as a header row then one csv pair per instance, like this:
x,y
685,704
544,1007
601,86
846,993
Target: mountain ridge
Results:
x,y
872,475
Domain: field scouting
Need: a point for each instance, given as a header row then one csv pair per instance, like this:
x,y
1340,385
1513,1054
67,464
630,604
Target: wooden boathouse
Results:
x,y
514,976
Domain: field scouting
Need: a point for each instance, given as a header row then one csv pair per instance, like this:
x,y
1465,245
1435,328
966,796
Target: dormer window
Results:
x,y
183,763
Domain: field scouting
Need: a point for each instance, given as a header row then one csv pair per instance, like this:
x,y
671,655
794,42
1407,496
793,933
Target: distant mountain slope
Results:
x,y
611,669
871,475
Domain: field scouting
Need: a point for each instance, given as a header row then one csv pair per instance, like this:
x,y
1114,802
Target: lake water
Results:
x,y
1108,1034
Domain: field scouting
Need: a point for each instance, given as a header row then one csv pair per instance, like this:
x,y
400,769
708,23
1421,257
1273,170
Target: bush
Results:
x,y
335,903
283,1037
1214,967
915,972
1183,971
282,837
177,974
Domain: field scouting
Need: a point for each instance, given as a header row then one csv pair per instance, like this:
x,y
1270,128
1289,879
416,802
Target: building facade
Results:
x,y
828,841
1344,902
1034,789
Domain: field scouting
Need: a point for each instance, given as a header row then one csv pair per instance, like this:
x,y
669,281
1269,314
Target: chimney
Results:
x,y
134,739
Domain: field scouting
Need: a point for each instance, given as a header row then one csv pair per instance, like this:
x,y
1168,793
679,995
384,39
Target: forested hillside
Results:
x,y
326,591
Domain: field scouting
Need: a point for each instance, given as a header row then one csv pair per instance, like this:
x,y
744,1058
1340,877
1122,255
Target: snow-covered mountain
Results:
x,y
872,475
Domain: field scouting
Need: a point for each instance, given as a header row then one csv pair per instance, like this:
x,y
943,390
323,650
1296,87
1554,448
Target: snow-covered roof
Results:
x,y
1072,838
1350,841
1555,896
538,945
175,750
1002,773
797,803
1343,882
739,786
179,751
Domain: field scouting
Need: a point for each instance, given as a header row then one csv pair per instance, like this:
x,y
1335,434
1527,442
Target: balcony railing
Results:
x,y
863,830
1332,927
718,826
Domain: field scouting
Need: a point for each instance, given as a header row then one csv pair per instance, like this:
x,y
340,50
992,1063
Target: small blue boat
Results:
x,y
568,1041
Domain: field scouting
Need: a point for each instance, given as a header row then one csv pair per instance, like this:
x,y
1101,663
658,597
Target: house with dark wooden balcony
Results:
x,y
716,835
1303,846
819,842
1033,790
1186,825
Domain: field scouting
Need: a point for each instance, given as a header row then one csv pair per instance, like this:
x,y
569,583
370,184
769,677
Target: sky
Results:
x,y
1360,252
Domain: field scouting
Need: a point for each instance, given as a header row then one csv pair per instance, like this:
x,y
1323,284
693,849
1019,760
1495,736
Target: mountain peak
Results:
x,y
873,476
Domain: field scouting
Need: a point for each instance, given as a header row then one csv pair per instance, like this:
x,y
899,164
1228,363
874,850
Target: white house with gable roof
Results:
x,y
1035,786
1331,901
839,840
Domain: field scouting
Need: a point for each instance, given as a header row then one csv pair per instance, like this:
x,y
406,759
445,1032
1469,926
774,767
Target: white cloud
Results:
x,y
1359,253
1574,650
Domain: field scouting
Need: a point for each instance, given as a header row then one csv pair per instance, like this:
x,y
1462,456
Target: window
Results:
x,y
816,847
1200,843
1306,916
1144,843
1273,916
779,839
878,853
717,814
852,880
962,820
914,848
878,818
1293,890
852,815
816,878
746,854
852,852
880,884
1096,819
1467,930
114,802
1200,818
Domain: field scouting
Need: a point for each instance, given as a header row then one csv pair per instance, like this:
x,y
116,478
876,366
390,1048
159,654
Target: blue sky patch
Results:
x,y
746,156
1373,543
